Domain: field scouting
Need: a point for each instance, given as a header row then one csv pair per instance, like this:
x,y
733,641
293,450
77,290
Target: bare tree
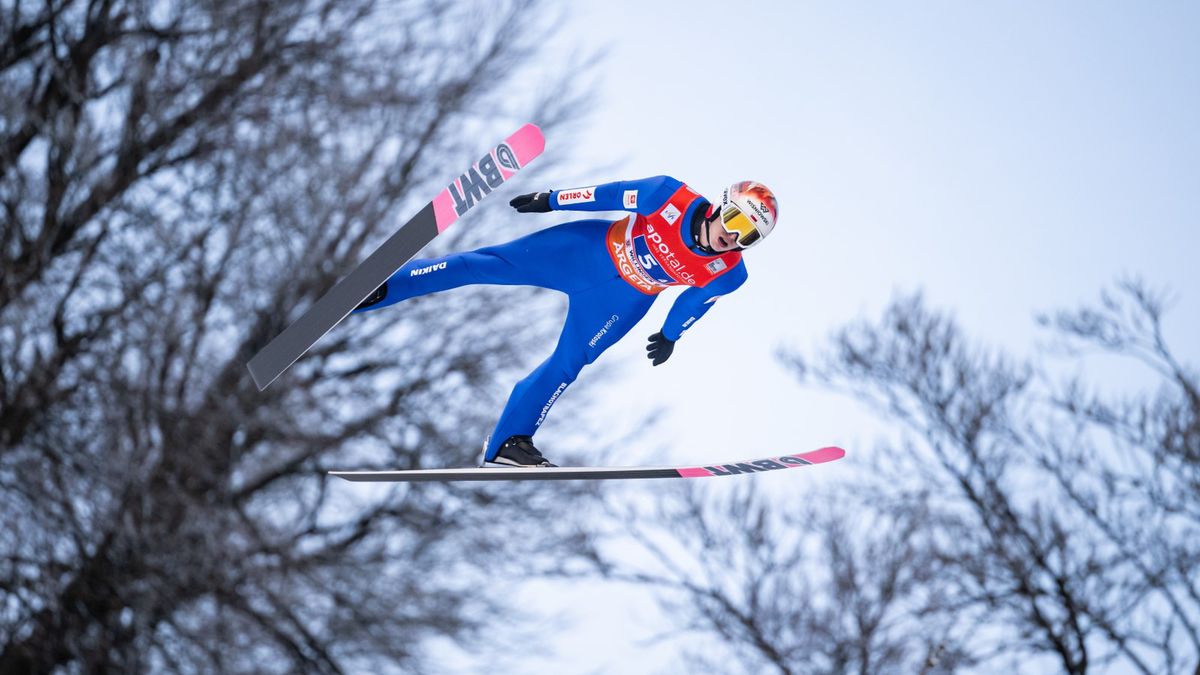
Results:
x,y
796,584
1016,517
1031,543
179,180
1129,466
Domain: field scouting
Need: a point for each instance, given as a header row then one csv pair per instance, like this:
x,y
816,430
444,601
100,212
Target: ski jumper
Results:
x,y
610,271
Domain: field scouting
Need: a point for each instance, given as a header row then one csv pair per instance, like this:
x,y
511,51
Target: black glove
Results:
x,y
660,348
534,202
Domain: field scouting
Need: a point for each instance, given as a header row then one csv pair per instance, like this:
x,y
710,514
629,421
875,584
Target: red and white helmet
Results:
x,y
749,210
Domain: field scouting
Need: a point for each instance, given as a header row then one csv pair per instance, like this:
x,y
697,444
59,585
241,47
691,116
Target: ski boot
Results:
x,y
518,452
374,298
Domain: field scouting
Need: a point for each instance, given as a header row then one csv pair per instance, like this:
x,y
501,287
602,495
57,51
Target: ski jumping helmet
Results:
x,y
749,210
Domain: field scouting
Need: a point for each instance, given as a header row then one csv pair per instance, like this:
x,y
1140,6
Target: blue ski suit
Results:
x,y
608,292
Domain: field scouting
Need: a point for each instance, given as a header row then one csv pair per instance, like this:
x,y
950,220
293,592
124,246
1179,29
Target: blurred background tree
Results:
x,y
179,181
1021,516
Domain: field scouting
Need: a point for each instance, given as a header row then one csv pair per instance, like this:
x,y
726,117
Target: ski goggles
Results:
x,y
737,223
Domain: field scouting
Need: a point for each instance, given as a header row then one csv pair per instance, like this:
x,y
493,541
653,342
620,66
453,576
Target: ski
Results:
x,y
485,176
597,473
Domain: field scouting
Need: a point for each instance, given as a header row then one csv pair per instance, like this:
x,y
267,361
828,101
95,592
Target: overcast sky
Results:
x,y
1005,158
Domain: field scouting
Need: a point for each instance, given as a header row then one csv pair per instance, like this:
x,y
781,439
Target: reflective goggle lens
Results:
x,y
736,222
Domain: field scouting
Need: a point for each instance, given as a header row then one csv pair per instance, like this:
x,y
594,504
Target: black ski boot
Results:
x,y
374,298
518,451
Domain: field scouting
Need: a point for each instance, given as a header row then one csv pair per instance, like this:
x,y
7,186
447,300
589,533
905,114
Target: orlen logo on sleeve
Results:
x,y
576,196
630,199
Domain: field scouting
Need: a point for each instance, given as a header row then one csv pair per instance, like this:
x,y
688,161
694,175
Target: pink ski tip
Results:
x,y
823,455
528,142
443,211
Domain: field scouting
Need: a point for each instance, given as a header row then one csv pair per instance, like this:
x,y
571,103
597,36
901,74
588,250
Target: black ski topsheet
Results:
x,y
821,456
486,175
